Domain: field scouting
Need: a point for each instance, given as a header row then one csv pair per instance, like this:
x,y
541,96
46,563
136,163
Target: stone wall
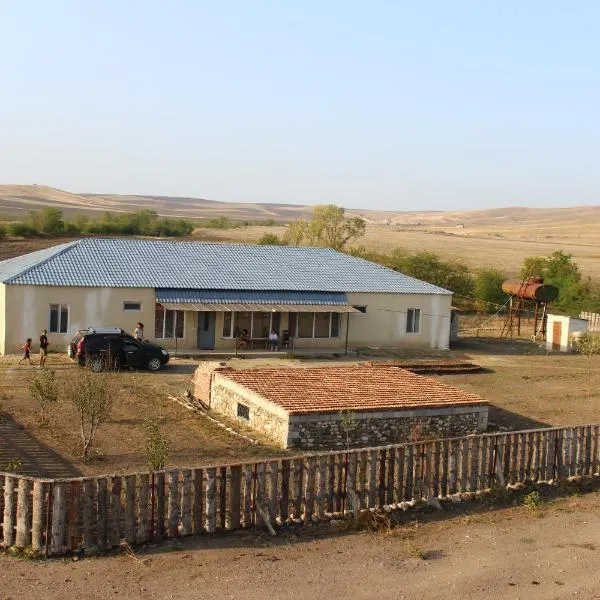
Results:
x,y
263,416
321,431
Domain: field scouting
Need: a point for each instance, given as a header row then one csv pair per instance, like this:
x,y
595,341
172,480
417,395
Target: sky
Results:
x,y
391,105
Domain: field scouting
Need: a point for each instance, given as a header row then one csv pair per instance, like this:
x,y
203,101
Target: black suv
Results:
x,y
107,348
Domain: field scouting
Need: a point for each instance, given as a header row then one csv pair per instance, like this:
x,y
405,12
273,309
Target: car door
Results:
x,y
133,353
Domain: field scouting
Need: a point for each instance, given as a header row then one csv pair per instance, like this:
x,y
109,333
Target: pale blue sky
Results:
x,y
384,104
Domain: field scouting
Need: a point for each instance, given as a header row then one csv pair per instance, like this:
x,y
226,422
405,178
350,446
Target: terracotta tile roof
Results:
x,y
362,388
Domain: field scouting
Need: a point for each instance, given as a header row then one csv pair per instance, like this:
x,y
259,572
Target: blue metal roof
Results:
x,y
134,263
175,296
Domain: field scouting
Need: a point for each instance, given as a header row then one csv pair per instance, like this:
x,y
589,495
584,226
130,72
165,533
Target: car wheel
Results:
x,y
154,364
95,363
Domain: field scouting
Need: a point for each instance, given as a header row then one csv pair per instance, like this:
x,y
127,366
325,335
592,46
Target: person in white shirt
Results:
x,y
273,340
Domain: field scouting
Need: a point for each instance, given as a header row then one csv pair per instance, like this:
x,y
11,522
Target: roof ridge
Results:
x,y
205,243
63,248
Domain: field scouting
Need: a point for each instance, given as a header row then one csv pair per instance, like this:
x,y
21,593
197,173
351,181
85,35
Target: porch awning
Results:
x,y
253,300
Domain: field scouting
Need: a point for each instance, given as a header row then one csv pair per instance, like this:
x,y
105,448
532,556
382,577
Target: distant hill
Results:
x,y
17,199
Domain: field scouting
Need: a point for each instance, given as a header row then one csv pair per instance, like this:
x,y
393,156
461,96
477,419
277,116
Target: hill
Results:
x,y
480,238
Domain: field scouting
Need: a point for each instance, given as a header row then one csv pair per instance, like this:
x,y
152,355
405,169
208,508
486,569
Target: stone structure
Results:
x,y
338,407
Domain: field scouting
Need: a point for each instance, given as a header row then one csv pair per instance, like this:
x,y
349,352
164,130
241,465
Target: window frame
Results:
x,y
243,411
313,337
416,312
60,306
140,304
175,324
233,327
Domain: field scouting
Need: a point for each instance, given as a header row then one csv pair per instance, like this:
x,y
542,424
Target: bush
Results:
x,y
270,239
2,232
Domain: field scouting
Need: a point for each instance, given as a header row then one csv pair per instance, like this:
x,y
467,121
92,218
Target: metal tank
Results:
x,y
532,288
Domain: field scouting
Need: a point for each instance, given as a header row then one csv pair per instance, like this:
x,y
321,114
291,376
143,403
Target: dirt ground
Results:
x,y
471,551
526,388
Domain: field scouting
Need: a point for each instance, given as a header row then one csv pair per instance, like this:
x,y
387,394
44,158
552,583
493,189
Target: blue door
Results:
x,y
206,330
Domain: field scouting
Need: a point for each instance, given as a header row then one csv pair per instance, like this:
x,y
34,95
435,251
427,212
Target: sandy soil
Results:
x,y
512,553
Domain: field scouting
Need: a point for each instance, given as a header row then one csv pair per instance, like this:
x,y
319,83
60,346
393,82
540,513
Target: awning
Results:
x,y
253,301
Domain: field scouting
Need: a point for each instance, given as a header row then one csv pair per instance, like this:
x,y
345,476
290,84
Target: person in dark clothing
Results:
x,y
43,348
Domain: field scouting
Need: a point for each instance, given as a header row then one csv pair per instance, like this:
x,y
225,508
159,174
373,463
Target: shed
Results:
x,y
562,330
335,407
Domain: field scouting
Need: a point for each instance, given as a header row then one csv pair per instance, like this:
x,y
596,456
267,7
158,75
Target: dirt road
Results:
x,y
506,554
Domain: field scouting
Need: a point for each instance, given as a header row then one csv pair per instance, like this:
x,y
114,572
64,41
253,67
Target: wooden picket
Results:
x,y
57,516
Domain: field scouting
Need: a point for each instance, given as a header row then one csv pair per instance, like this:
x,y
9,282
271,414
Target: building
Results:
x,y
202,296
562,332
331,407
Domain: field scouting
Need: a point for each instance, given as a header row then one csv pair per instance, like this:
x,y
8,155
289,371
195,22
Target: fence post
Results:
x,y
211,497
59,513
235,497
8,526
37,517
23,537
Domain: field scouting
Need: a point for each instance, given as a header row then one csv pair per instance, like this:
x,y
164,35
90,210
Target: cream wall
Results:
x,y
2,316
384,323
28,312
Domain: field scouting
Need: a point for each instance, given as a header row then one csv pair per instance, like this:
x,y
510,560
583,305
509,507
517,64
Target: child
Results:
x,y
26,349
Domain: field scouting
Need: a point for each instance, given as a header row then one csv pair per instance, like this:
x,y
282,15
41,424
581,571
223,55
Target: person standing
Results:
x,y
43,348
138,332
273,340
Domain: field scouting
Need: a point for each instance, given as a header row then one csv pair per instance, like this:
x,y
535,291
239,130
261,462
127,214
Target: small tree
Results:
x,y
91,395
158,447
270,239
347,424
44,389
589,344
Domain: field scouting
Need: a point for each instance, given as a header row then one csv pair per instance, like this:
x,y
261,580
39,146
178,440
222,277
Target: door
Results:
x,y
206,330
556,335
133,354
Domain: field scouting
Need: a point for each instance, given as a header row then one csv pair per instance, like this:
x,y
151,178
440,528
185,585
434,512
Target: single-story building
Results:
x,y
331,407
562,332
202,296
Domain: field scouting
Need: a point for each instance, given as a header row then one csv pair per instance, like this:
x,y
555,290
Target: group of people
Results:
x,y
138,334
43,350
244,339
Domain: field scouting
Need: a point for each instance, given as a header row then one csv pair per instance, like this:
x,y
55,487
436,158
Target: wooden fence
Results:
x,y
56,516
594,320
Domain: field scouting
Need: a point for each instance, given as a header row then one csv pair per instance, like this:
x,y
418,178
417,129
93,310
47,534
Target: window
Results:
x,y
261,324
318,325
257,324
322,325
227,322
59,318
362,309
335,325
243,411
168,323
132,305
304,328
413,320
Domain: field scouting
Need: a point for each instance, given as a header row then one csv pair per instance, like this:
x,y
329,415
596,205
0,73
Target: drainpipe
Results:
x,y
347,330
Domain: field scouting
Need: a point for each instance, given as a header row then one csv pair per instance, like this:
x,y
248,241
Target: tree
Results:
x,y
488,289
559,269
44,389
328,227
91,395
295,232
270,239
429,267
158,447
589,344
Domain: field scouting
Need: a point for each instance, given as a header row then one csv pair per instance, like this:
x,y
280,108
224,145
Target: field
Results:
x,y
526,388
484,238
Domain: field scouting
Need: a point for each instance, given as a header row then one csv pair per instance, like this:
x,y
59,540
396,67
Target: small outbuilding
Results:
x,y
331,407
562,332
